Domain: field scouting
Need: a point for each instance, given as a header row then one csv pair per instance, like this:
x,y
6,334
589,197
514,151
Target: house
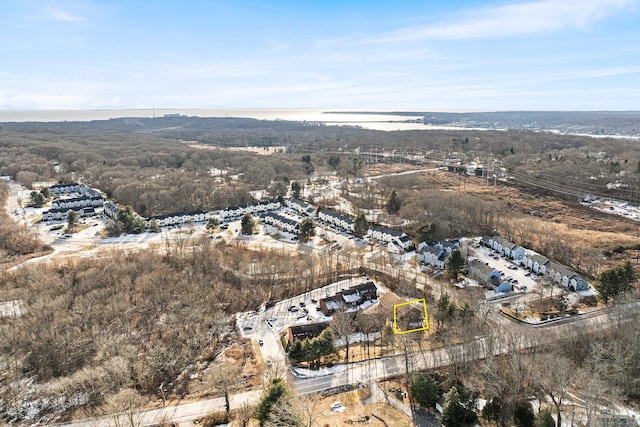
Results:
x,y
64,188
433,255
368,291
484,273
331,304
343,222
395,247
406,243
349,298
300,206
281,222
566,277
539,264
385,235
111,210
386,304
513,251
308,331
449,245
504,287
178,218
500,245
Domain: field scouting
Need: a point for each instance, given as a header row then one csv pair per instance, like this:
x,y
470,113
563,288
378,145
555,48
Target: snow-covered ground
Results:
x,y
612,206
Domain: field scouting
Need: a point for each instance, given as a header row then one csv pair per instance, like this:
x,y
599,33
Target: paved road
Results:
x,y
182,414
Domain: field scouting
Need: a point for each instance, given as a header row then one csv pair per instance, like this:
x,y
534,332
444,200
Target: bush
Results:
x,y
545,419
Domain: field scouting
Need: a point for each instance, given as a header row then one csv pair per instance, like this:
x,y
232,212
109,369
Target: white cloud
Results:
x,y
538,17
57,14
18,100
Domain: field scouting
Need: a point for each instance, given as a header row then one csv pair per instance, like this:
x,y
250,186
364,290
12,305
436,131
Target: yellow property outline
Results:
x,y
395,318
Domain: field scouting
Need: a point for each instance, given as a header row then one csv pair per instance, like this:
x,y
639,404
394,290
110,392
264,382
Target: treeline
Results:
x,y
152,174
134,320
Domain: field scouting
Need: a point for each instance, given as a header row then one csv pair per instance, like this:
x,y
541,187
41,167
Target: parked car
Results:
x,y
337,407
260,343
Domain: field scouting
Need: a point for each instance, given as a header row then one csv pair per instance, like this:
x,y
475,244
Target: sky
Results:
x,y
334,54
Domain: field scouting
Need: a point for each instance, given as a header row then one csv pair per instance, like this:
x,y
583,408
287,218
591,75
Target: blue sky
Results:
x,y
347,54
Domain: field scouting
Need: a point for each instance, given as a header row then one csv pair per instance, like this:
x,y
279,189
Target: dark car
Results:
x,y
260,343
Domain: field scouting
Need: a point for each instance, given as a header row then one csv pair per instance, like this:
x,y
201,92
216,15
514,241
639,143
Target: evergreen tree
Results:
x,y
425,232
459,408
425,390
296,188
154,227
131,221
212,224
393,204
38,199
276,390
295,351
247,224
334,161
360,225
307,230
455,264
615,281
72,221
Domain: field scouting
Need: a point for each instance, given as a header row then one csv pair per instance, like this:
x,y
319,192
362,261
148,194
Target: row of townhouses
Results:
x,y
111,210
488,275
287,224
504,247
84,204
74,188
337,220
436,253
179,218
536,263
78,202
349,298
61,213
250,208
300,206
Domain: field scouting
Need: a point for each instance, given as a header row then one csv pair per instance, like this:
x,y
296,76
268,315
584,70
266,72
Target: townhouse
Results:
x,y
279,221
300,206
333,218
349,298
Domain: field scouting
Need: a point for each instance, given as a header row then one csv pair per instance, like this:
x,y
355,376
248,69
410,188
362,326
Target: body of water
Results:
x,y
371,120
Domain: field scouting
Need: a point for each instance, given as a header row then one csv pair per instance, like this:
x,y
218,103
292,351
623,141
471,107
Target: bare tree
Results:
x,y
553,374
344,326
245,413
124,408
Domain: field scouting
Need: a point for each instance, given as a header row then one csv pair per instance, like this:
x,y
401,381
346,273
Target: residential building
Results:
x,y
349,298
307,331
484,273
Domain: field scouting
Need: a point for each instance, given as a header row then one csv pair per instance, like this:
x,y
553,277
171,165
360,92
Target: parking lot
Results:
x,y
267,325
521,278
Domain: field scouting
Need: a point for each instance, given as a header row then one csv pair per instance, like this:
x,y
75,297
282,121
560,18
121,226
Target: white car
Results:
x,y
337,407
